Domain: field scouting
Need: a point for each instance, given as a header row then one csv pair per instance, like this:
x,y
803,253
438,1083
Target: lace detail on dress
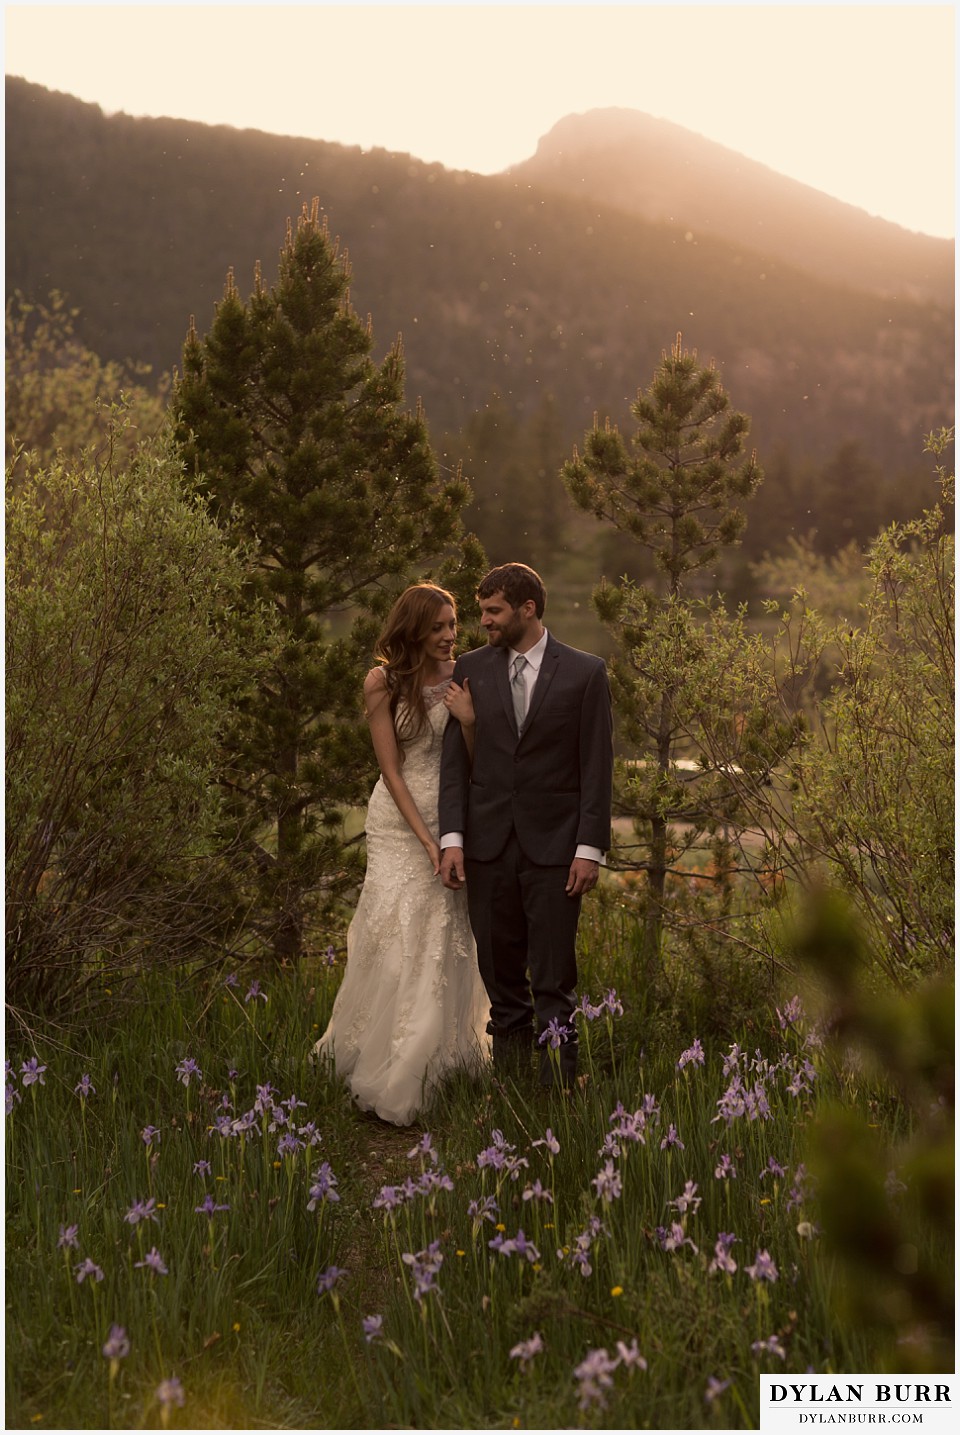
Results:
x,y
411,1005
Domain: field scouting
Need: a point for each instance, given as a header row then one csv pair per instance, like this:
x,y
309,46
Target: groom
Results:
x,y
527,825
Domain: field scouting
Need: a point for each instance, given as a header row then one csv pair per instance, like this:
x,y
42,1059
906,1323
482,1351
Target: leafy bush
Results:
x,y
122,657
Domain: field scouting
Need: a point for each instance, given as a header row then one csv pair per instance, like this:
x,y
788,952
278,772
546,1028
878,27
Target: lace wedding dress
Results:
x,y
411,1005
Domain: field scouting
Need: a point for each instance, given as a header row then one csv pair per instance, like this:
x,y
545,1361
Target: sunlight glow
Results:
x,y
855,100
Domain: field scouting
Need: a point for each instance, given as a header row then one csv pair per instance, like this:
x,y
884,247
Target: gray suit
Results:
x,y
524,808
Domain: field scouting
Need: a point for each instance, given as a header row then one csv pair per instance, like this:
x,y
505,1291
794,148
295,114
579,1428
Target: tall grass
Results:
x,y
629,1255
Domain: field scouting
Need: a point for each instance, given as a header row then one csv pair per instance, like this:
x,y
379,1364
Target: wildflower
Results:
x,y
330,955
612,1004
170,1392
152,1261
630,1356
254,994
676,1238
117,1344
432,1181
688,1201
555,1033
483,1210
84,1087
714,1388
671,1139
629,1126
771,1345
289,1145
519,1246
425,1266
323,1188
692,1054
424,1147
209,1207
12,1095
293,1103
791,1014
68,1238
587,1009
148,1133
264,1101
186,1069
525,1350
327,1280
799,1192
372,1327
245,1125
607,1183
722,1259
595,1376
537,1192
231,980
496,1153
389,1199
87,1267
310,1133
32,1071
725,1169
773,1168
142,1211
731,1061
202,1168
763,1268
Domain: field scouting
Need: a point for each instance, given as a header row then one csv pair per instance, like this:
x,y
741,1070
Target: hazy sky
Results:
x,y
856,100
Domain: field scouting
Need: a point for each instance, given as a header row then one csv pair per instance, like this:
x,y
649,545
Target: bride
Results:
x,y
411,1005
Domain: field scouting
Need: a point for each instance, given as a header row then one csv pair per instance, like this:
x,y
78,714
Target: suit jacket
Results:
x,y
552,785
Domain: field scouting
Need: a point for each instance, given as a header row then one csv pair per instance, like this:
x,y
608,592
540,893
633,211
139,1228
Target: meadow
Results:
x,y
202,1232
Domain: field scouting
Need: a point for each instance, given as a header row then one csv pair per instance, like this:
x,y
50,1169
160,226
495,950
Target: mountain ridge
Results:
x,y
503,288
661,171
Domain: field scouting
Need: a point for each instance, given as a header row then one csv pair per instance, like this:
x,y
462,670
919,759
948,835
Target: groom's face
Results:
x,y
504,626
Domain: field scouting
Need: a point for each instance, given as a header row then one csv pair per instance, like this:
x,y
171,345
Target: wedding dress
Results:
x,y
411,1005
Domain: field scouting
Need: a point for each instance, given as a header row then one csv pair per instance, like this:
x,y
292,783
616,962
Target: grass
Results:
x,y
618,1305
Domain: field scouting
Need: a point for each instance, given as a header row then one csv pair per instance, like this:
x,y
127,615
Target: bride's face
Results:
x,y
439,643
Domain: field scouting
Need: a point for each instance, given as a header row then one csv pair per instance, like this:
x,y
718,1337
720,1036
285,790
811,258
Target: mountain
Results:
x,y
518,289
668,175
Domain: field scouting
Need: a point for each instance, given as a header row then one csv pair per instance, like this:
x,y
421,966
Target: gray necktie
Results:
x,y
518,690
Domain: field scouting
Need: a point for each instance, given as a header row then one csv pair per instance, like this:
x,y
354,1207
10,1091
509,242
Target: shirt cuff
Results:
x,y
593,854
451,839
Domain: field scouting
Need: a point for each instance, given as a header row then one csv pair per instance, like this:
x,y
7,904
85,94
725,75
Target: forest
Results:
x,y
754,1172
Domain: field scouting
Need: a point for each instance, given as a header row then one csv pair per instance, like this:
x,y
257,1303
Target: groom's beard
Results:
x,y
506,635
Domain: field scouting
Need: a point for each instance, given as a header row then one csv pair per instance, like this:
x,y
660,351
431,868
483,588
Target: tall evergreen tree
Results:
x,y
674,490
293,430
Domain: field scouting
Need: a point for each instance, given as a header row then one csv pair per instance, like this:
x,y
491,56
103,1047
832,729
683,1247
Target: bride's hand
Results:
x,y
434,854
459,703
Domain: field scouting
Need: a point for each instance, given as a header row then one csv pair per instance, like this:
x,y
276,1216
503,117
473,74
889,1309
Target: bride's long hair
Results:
x,y
400,648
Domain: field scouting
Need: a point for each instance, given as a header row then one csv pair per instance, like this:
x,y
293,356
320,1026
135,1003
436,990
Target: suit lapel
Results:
x,y
503,686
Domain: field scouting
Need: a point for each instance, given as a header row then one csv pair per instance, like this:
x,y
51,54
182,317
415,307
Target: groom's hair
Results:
x,y
517,583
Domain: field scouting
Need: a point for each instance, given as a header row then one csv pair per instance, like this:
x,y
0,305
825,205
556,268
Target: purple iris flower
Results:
x,y
117,1343
209,1207
152,1261
32,1071
186,1069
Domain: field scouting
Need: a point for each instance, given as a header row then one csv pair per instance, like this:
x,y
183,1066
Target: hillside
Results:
x,y
667,174
502,285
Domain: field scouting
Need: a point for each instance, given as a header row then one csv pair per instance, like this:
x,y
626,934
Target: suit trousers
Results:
x,y
525,927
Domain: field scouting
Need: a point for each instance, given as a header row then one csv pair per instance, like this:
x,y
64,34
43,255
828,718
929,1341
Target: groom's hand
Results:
x,y
582,876
452,873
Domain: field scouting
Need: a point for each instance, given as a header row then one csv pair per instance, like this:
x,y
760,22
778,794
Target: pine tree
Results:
x,y
674,490
296,434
